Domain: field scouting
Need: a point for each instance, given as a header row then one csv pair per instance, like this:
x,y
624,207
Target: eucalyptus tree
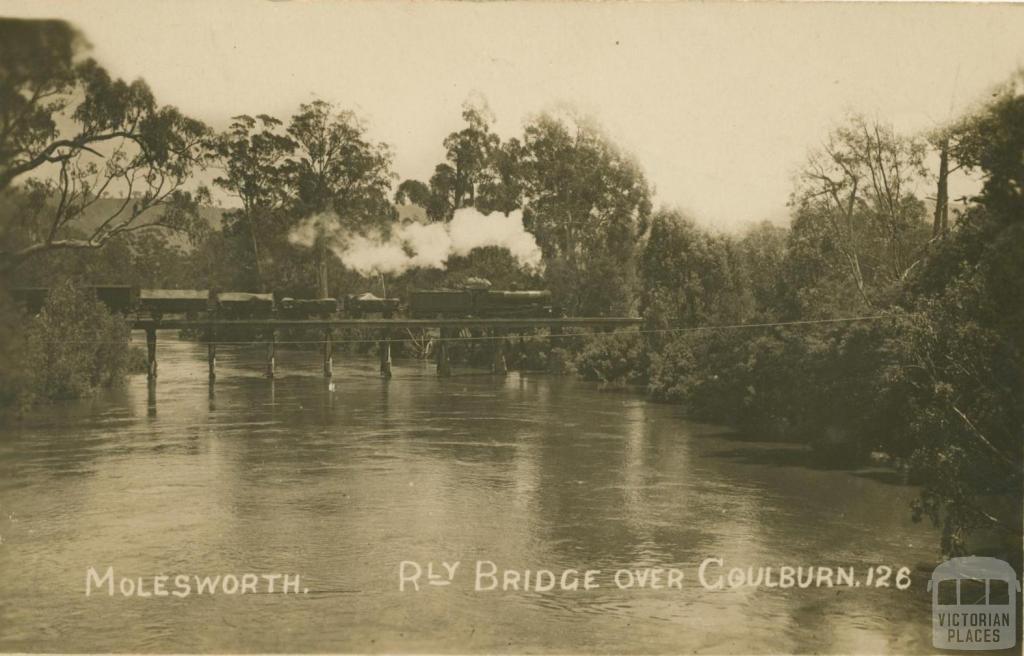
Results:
x,y
338,174
468,167
856,198
589,205
253,153
586,202
71,135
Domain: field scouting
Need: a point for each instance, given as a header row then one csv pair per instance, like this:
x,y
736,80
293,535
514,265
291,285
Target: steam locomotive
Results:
x,y
459,303
465,302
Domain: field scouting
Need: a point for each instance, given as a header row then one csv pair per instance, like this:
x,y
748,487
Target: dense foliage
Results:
x,y
72,348
71,134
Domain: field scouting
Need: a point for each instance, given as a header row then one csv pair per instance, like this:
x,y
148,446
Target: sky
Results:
x,y
719,102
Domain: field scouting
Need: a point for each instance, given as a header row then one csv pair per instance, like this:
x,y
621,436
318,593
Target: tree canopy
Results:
x,y
74,135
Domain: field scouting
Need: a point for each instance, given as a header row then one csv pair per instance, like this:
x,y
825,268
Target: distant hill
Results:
x,y
101,210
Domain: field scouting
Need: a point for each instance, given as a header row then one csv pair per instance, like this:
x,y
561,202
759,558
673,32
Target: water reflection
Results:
x,y
151,397
340,485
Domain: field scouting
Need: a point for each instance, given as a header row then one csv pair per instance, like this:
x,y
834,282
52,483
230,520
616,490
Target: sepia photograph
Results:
x,y
511,327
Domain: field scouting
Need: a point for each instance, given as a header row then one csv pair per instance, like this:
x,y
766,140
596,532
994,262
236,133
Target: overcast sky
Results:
x,y
718,102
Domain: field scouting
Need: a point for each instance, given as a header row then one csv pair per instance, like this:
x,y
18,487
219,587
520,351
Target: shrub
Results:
x,y
74,346
17,380
138,361
962,381
560,361
617,358
815,385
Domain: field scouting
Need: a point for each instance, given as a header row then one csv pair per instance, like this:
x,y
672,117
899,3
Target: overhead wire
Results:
x,y
524,336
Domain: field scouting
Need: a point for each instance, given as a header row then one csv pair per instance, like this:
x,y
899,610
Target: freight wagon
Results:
x,y
117,298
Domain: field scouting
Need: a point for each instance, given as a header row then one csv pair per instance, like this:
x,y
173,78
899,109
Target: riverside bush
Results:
x,y
815,385
617,358
72,348
16,376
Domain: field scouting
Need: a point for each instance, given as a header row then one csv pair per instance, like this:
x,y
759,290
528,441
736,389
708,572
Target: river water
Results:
x,y
339,487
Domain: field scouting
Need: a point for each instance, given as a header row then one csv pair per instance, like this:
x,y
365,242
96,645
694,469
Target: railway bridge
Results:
x,y
387,329
445,313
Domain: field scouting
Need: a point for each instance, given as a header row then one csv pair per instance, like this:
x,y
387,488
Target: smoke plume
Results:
x,y
413,245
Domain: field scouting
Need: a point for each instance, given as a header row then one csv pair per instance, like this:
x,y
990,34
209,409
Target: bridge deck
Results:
x,y
573,322
386,337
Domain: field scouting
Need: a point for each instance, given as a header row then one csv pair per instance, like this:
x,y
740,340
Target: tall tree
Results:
x,y
940,223
951,144
691,277
468,152
858,190
252,153
338,173
588,205
83,136
468,167
989,140
502,190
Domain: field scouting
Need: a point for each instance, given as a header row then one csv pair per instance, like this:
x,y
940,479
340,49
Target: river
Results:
x,y
340,486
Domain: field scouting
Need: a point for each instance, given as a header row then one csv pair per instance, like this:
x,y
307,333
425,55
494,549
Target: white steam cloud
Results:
x,y
413,245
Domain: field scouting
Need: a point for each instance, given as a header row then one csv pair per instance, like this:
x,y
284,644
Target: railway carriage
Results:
x,y
158,302
121,299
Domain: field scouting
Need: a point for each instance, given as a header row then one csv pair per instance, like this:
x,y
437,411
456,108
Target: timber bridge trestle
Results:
x,y
386,328
496,314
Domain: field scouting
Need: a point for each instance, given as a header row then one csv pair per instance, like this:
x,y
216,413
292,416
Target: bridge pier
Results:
x,y
555,341
384,346
328,354
211,352
151,354
507,351
444,365
271,353
556,337
211,334
499,365
151,397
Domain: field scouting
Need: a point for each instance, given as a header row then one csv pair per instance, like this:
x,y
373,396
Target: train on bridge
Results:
x,y
470,301
445,313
